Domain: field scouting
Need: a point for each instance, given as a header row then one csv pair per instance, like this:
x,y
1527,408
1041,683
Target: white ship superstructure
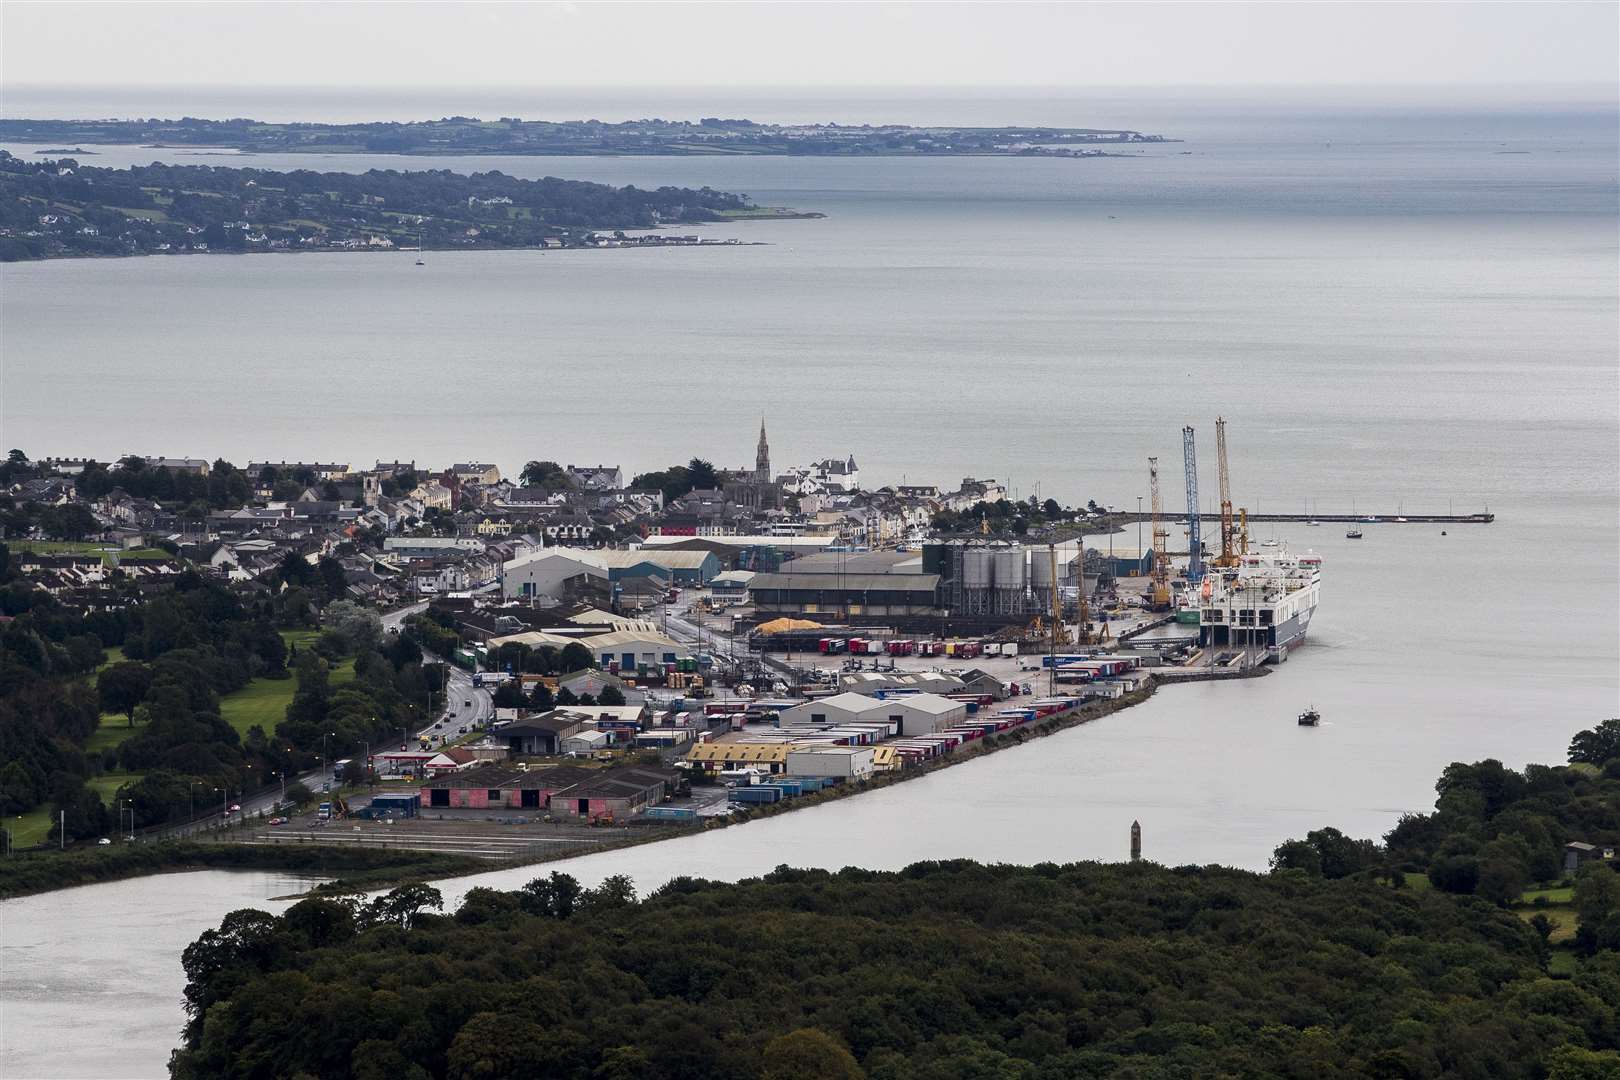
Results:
x,y
1264,603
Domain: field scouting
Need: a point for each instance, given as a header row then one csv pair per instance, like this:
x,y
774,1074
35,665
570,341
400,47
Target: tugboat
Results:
x,y
1310,718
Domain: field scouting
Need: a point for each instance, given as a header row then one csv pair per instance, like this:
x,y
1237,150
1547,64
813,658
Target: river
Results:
x,y
1388,310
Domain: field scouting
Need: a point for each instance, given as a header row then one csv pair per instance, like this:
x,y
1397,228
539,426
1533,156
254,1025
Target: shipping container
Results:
x,y
764,793
671,813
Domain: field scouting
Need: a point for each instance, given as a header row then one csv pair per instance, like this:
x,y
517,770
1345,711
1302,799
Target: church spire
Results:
x,y
762,457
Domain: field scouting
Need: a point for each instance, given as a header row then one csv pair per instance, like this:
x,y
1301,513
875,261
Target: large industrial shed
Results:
x,y
924,714
550,572
838,709
850,762
684,567
851,595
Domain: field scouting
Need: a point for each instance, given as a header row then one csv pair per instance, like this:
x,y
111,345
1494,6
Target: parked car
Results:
x,y
103,840
278,821
236,808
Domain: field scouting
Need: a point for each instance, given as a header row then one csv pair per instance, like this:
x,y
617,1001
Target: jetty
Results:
x,y
1368,519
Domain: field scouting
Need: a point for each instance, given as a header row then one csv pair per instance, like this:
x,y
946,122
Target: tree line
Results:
x,y
942,971
184,650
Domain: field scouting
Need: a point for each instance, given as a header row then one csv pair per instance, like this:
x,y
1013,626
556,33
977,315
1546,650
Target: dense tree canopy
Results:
x,y
942,971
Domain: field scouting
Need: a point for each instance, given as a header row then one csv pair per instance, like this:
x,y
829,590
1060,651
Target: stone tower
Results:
x,y
1136,841
762,457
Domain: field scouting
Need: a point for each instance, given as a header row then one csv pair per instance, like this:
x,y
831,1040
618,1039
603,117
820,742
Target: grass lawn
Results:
x,y
1563,962
264,701
1554,894
1563,920
1417,881
147,212
113,731
61,547
30,828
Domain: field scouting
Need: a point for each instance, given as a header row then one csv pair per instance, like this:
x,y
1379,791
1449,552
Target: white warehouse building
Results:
x,y
548,572
838,709
924,714
849,762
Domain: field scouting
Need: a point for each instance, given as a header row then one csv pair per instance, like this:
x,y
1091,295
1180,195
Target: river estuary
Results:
x,y
1385,308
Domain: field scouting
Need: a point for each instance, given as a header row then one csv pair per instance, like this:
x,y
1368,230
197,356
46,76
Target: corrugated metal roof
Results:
x,y
674,560
911,583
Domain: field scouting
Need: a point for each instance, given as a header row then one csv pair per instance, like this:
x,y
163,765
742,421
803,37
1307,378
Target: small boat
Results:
x,y
1352,533
1313,523
1310,718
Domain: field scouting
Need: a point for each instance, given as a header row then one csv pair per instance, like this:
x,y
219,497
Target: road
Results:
x,y
460,689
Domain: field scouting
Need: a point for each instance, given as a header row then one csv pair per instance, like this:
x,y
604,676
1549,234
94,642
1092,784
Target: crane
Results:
x,y
1195,543
1228,556
1161,557
1060,634
1082,610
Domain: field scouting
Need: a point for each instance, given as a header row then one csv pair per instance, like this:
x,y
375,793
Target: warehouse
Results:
x,y
552,572
838,709
615,794
847,762
683,567
713,757
924,714
490,787
540,735
617,650
851,595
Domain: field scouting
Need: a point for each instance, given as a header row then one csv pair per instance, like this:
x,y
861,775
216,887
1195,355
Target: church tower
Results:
x,y
762,457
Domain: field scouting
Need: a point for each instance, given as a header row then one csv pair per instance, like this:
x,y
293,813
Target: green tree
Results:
x,y
575,657
809,1054
123,686
1597,745
546,474
702,475
1597,905
610,695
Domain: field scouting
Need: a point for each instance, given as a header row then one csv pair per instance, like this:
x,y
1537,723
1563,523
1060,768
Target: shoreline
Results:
x,y
382,878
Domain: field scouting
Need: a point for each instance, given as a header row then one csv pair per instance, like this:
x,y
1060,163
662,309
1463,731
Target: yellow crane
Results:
x,y
1060,633
1161,553
1228,555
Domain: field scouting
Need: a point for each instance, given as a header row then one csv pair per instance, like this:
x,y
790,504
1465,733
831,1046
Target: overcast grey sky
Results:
x,y
801,44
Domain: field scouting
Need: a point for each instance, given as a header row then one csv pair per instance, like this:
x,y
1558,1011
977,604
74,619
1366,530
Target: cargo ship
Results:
x,y
1265,603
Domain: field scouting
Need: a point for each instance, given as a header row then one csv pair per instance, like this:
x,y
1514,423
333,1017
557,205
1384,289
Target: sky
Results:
x,y
810,45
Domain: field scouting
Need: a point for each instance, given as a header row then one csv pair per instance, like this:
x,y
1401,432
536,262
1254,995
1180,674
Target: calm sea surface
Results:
x,y
1400,307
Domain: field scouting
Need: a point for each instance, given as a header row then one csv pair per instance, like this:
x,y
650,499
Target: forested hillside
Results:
x,y
944,971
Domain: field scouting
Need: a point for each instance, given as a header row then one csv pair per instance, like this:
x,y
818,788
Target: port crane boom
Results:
x,y
1228,556
1161,556
1195,541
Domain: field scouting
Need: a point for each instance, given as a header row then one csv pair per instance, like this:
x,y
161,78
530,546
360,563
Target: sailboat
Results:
x,y
1310,518
421,249
1354,531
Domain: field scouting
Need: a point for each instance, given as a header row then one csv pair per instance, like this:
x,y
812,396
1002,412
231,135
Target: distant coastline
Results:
x,y
61,208
461,135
